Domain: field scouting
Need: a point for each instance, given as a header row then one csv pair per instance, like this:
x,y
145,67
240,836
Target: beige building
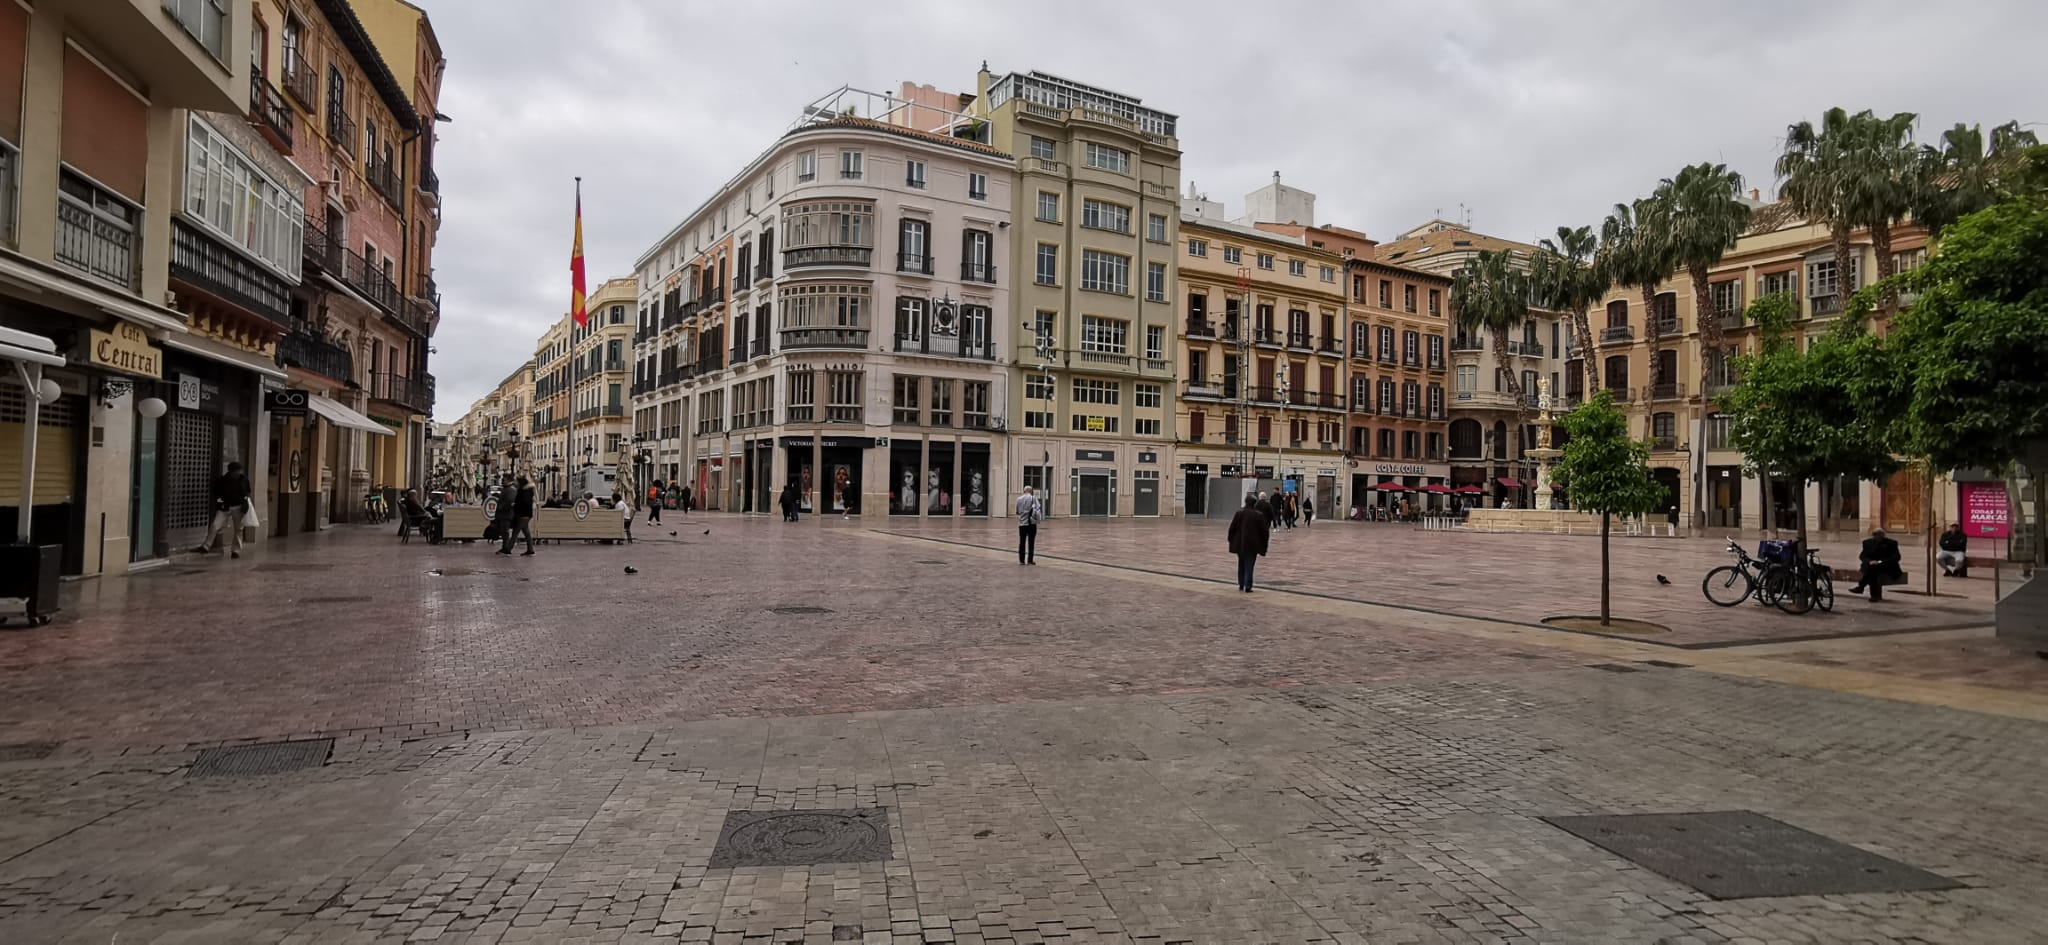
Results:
x,y
1097,217
549,404
494,438
599,377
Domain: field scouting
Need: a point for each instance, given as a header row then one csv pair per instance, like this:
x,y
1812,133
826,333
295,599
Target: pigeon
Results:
x,y
673,534
632,570
1661,579
707,531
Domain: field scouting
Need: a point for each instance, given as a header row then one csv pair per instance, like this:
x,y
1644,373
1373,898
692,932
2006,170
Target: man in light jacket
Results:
x,y
1030,512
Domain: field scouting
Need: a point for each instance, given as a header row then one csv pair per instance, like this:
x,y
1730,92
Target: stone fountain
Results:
x,y
1542,518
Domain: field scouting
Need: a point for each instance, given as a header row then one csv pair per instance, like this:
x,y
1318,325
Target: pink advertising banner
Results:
x,y
1984,509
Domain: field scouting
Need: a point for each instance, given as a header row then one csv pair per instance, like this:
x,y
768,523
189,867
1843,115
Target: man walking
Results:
x,y
684,502
503,518
1249,529
230,504
654,503
1030,512
1880,564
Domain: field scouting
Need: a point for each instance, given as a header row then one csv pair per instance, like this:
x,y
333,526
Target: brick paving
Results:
x,y
545,750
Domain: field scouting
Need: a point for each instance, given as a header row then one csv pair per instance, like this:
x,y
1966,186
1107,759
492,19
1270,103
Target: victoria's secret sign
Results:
x,y
127,349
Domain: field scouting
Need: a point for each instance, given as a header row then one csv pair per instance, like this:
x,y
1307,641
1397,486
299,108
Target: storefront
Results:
x,y
828,471
1386,485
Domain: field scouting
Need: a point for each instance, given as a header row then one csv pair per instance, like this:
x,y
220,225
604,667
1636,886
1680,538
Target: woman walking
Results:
x,y
1248,532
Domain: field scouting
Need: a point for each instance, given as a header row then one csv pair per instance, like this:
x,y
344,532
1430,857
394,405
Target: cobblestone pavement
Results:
x,y
545,749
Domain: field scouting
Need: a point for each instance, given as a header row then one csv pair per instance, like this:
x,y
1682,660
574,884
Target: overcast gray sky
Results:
x,y
1531,114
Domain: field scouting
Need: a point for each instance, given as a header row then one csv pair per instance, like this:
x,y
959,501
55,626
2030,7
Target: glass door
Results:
x,y
143,489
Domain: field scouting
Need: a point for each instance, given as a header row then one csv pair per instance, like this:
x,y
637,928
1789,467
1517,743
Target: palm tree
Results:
x,y
1854,172
1565,280
1961,177
1707,216
1635,250
1490,297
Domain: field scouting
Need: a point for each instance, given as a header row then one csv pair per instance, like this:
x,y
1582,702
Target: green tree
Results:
x,y
1974,345
1707,216
1636,250
1854,172
1963,176
1804,416
1605,472
1491,297
1564,279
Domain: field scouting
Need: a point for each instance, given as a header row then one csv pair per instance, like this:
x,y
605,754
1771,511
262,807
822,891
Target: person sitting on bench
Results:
x,y
1954,556
418,516
1880,561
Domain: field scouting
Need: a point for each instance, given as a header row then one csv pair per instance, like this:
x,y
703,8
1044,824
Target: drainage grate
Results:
x,y
27,751
802,837
799,610
1741,854
337,600
289,567
1615,667
262,758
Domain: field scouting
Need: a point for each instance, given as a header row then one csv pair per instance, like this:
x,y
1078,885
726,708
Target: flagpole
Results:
x,y
575,382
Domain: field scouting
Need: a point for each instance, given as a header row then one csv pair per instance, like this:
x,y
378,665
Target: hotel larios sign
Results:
x,y
127,349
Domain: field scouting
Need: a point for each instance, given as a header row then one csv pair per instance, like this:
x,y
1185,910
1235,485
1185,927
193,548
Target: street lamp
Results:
x,y
1047,349
1280,444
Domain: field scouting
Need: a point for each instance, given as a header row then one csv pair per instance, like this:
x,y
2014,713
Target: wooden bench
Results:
x,y
1852,574
467,523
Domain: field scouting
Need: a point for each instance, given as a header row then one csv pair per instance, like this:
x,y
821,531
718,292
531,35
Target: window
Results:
x,y
913,247
1233,255
205,20
1105,272
1822,280
1386,344
1094,424
1329,274
1198,248
1408,297
237,201
1091,391
1725,297
1778,283
1468,378
842,388
1436,302
849,165
913,174
1155,342
1387,404
1436,352
1617,372
1144,426
1436,401
1386,293
1098,215
977,254
1048,264
1109,159
824,232
1043,149
942,402
1037,387
1048,206
977,186
1043,325
1296,267
1148,395
807,165
1103,335
1411,348
1265,260
1155,228
974,405
1664,427
1155,282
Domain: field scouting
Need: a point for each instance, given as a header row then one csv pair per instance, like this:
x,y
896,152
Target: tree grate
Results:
x,y
802,837
1615,667
27,751
1742,854
799,610
262,758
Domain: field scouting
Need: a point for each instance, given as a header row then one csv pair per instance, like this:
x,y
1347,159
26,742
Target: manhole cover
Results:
x,y
1616,667
799,610
262,758
288,567
802,837
27,751
336,600
1741,854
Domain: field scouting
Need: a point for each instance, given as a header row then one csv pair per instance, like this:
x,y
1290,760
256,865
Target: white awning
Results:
x,y
35,275
215,351
16,345
343,417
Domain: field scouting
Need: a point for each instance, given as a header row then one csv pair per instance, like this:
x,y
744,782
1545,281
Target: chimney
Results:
x,y
1755,194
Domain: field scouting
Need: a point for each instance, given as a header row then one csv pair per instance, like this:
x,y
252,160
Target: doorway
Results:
x,y
142,523
1197,496
1092,488
1145,493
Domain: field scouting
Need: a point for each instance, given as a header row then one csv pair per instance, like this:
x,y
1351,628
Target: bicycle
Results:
x,y
374,511
1809,584
1731,584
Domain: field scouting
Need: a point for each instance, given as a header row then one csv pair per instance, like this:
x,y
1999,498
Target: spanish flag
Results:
x,y
576,265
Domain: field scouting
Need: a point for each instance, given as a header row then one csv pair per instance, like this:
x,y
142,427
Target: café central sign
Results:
x,y
127,349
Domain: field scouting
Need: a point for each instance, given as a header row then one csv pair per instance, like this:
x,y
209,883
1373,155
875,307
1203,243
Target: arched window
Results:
x,y
1466,439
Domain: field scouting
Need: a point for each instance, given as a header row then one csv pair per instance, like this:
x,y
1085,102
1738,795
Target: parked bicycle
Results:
x,y
1808,584
1731,584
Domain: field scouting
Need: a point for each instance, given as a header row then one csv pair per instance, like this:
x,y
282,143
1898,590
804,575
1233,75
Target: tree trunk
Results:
x,y
1927,527
1583,327
1799,502
1842,255
1881,243
1711,336
1651,334
1606,614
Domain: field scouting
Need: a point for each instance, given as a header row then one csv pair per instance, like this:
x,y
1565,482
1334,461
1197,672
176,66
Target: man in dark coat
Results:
x,y
1266,508
502,515
1954,557
1249,529
788,501
1880,561
230,504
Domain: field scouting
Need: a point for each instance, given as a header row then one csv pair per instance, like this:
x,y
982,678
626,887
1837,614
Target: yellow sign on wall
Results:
x,y
128,350
1097,425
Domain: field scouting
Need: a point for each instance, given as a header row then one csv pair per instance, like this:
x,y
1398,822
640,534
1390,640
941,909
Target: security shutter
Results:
x,y
188,471
56,445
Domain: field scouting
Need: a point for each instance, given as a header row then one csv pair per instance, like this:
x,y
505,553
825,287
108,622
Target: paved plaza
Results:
x,y
1112,746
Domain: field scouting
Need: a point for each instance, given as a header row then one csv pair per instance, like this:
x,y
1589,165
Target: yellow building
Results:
x,y
1262,368
599,375
550,400
1691,450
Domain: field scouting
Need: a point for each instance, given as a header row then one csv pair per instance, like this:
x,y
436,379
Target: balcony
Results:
x,y
384,180
1664,444
341,130
1529,349
805,338
307,351
914,263
1667,327
760,347
270,113
827,256
1411,360
1300,341
1728,320
96,233
429,182
978,272
946,346
1321,400
1106,357
1262,394
1617,333
7,162
327,253
296,76
1437,365
1823,305
613,365
1266,336
1387,356
203,263
1200,328
1330,346
1665,391
407,392
1468,344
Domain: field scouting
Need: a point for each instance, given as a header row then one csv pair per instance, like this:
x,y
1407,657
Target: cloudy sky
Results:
x,y
1528,114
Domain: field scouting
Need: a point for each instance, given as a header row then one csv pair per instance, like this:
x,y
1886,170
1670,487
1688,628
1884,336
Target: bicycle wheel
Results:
x,y
1771,583
1824,592
1798,595
1727,585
